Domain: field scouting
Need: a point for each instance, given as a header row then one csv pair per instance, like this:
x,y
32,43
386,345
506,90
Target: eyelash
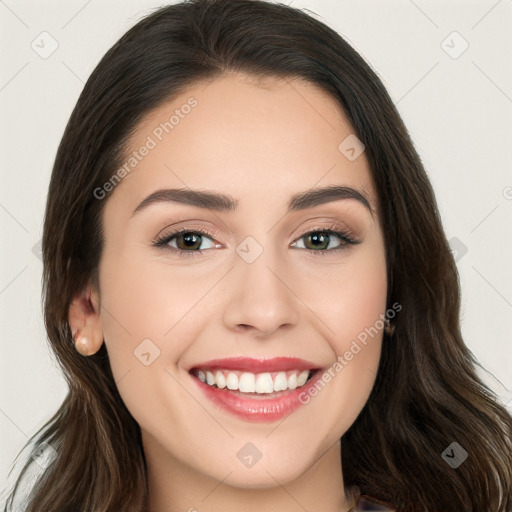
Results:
x,y
344,235
335,229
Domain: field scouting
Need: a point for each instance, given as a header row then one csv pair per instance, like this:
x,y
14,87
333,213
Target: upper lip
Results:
x,y
257,365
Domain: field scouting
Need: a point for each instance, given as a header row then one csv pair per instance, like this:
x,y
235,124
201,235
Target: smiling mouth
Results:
x,y
251,385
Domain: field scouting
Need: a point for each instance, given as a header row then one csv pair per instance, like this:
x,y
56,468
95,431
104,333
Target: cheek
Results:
x,y
144,321
349,302
347,294
358,318
149,316
143,300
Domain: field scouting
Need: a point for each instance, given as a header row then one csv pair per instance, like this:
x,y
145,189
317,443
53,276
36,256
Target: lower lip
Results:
x,y
258,409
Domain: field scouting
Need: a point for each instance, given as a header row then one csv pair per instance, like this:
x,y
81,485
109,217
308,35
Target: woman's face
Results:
x,y
258,289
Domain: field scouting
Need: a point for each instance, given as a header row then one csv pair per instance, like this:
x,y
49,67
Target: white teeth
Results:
x,y
220,380
302,378
280,382
247,382
210,379
232,381
264,383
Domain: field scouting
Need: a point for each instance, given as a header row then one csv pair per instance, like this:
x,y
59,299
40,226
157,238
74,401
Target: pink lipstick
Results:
x,y
256,406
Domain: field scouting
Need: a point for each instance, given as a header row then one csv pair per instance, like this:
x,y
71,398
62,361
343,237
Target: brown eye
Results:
x,y
186,242
319,240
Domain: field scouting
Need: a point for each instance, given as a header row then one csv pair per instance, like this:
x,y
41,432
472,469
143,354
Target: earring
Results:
x,y
83,346
389,328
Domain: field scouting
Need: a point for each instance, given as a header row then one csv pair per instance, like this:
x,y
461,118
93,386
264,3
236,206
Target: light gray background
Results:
x,y
458,111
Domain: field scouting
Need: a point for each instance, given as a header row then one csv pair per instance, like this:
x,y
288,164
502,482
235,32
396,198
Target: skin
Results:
x,y
260,141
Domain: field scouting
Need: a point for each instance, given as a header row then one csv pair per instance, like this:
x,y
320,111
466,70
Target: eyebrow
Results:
x,y
226,203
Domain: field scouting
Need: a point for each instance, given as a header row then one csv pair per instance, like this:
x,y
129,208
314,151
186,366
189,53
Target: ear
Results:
x,y
84,321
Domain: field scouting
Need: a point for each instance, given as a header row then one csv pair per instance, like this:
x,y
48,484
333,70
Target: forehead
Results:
x,y
262,139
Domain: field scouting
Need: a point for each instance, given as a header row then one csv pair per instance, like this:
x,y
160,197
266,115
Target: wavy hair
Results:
x,y
427,393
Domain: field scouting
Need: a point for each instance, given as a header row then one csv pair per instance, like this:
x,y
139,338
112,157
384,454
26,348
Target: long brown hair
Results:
x,y
427,393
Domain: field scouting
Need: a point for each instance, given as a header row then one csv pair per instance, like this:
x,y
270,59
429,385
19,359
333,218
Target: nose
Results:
x,y
260,297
